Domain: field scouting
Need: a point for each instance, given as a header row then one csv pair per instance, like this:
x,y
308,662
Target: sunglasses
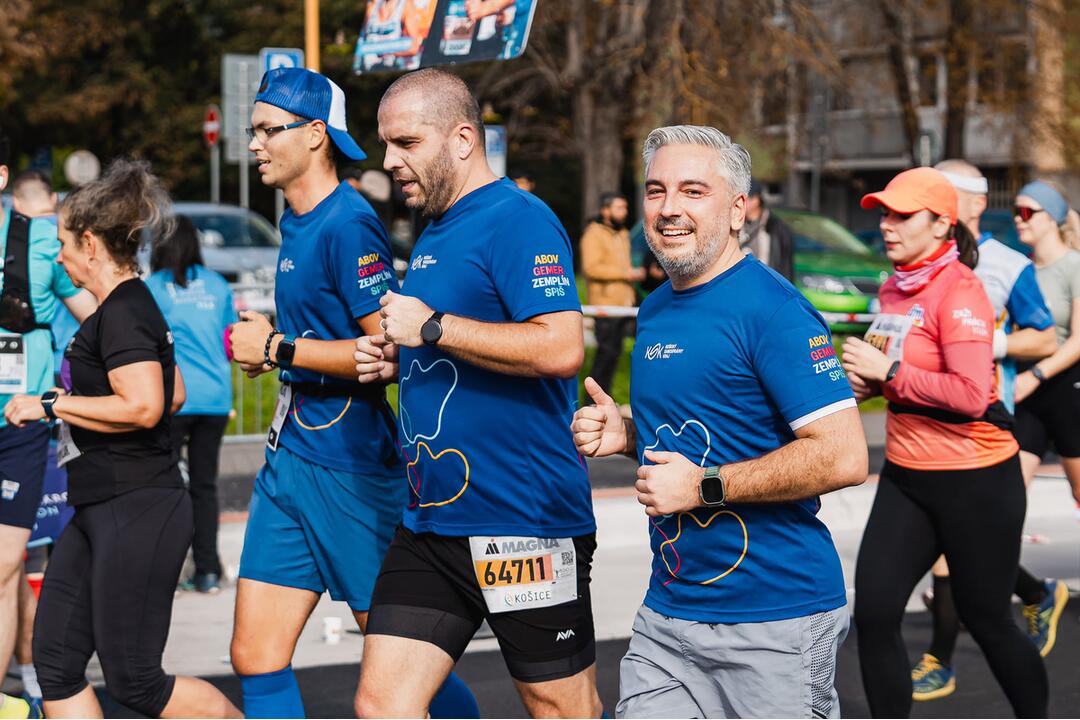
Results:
x,y
1025,213
902,217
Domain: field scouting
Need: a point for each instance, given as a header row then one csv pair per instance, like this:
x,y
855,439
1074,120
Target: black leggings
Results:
x,y
974,518
202,435
109,587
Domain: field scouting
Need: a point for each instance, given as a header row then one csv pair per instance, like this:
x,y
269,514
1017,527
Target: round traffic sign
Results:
x,y
212,125
81,167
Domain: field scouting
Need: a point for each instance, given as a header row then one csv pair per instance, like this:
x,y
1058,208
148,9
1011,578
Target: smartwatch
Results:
x,y
1038,373
893,369
286,349
431,330
47,401
711,491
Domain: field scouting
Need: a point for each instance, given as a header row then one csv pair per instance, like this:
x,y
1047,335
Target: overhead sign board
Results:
x,y
409,34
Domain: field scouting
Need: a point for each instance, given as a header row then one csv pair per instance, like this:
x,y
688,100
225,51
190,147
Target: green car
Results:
x,y
834,270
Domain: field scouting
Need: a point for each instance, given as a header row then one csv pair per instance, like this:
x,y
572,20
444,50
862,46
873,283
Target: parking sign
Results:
x,y
273,58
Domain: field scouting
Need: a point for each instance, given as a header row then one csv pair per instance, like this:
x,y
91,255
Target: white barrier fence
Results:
x,y
252,398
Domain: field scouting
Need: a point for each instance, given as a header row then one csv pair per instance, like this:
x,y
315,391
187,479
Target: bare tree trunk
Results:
x,y
901,59
958,48
597,124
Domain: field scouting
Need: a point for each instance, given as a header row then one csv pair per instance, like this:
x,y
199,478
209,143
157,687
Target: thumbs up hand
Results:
x,y
598,429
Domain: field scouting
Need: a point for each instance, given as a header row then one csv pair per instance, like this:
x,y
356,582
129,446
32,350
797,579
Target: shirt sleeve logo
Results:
x,y
967,319
373,274
549,275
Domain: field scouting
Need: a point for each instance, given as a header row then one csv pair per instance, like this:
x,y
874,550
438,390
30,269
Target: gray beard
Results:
x,y
686,269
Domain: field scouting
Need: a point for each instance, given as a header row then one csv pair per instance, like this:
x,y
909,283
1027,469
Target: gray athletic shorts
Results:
x,y
683,669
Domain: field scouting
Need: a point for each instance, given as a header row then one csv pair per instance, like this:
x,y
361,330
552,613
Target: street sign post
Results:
x,y
239,84
211,134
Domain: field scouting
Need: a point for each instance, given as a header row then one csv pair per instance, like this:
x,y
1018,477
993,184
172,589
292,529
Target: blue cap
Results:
x,y
1050,199
311,96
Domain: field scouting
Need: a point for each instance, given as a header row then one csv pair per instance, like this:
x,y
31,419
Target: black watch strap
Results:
x,y
431,330
47,401
1038,373
893,369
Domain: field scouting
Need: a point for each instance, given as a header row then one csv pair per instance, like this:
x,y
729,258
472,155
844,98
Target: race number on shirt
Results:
x,y
519,573
12,365
887,334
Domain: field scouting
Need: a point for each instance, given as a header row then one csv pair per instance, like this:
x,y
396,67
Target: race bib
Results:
x,y
12,365
66,449
284,402
887,334
521,573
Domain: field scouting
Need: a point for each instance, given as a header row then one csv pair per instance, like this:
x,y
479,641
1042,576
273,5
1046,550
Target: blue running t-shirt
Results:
x,y
487,453
334,265
198,314
724,372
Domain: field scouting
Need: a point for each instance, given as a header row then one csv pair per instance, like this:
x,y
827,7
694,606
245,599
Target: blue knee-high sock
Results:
x,y
272,695
454,700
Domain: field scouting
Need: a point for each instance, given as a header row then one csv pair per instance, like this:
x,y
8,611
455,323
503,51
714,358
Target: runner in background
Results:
x,y
110,583
327,501
35,288
1048,391
951,483
198,305
1023,330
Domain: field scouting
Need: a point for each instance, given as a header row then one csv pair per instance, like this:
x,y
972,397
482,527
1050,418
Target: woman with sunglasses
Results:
x,y
1048,392
951,483
109,585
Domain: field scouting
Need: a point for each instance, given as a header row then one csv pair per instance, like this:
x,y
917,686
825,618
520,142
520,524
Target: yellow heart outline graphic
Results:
x,y
718,513
435,457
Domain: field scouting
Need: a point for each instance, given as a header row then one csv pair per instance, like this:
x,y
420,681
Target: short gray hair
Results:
x,y
734,159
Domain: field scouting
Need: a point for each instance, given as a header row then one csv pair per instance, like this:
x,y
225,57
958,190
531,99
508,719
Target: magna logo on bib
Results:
x,y
662,351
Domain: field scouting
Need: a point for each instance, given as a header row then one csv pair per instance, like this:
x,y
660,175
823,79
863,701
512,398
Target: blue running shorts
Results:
x,y
321,529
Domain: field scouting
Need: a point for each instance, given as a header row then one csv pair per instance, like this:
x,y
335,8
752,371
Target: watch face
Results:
x,y
712,490
431,331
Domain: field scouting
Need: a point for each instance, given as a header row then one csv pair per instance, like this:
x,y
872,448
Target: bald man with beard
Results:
x,y
487,334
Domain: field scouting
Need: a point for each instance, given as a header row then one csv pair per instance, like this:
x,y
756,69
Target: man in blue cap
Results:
x,y
332,490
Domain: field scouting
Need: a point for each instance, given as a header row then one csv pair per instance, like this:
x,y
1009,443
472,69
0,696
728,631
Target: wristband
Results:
x,y
1038,373
1001,344
266,350
227,340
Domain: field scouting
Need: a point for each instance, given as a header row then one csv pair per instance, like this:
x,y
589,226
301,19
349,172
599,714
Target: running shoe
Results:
x,y
37,707
931,680
208,583
13,707
1042,618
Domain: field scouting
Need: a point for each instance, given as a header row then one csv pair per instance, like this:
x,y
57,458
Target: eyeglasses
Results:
x,y
1025,213
265,133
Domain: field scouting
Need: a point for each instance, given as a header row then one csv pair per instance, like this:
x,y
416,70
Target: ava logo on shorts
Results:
x,y
662,351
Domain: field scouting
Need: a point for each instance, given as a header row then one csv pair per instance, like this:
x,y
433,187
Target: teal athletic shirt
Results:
x,y
198,315
723,372
49,287
487,453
